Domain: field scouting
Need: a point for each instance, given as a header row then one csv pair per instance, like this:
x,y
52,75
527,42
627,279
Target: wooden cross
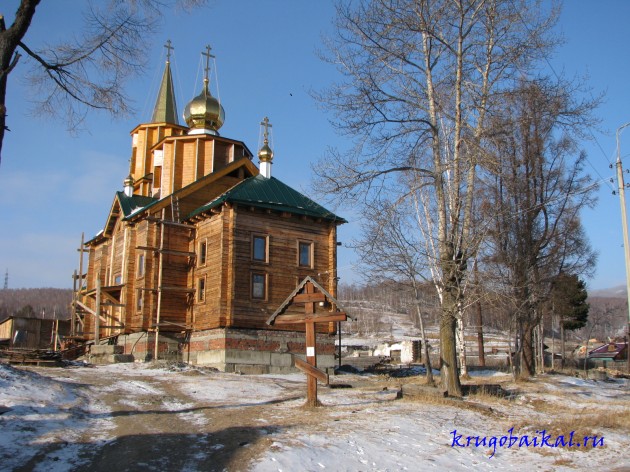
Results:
x,y
208,56
169,48
310,298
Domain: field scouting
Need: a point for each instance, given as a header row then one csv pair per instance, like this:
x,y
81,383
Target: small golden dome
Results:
x,y
204,111
265,154
128,181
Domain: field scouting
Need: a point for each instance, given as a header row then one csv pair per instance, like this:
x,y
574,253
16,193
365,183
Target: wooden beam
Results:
x,y
311,359
167,251
179,225
178,253
177,289
297,319
170,223
85,308
312,371
169,323
309,298
113,300
101,316
97,315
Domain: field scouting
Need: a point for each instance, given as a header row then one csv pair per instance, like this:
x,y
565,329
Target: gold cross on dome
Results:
x,y
208,56
267,125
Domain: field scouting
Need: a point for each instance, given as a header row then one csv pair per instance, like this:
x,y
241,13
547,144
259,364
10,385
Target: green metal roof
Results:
x,y
132,204
271,194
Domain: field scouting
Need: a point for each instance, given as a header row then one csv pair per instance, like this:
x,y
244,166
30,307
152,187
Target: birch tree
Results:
x,y
420,77
392,253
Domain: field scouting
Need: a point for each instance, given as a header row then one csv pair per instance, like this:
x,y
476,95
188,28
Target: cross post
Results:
x,y
169,48
267,125
208,56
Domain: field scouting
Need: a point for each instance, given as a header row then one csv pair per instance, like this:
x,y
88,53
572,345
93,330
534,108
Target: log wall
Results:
x,y
282,270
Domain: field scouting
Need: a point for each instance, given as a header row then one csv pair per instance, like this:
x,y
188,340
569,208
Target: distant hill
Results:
x,y
384,311
614,292
35,302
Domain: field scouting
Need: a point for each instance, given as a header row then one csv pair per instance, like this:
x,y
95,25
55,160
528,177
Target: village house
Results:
x,y
201,247
613,354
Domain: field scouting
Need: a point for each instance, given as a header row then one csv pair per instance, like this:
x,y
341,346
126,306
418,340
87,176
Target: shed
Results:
x,y
32,333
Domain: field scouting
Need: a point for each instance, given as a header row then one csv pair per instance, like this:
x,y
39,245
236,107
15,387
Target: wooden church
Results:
x,y
202,246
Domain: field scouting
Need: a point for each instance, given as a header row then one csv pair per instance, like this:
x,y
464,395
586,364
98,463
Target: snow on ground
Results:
x,y
43,411
394,436
359,429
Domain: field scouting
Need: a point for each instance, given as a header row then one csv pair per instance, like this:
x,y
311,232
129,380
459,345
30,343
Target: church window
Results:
x,y
260,248
140,270
203,252
259,286
139,299
305,254
201,289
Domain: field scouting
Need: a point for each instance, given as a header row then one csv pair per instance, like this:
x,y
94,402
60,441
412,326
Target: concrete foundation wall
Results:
x,y
231,350
256,351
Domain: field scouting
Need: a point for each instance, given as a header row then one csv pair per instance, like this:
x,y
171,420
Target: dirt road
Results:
x,y
141,417
137,421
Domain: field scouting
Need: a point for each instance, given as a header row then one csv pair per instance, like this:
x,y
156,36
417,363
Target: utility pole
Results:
x,y
626,244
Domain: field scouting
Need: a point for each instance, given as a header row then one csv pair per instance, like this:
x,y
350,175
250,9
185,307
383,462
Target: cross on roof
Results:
x,y
208,56
169,48
267,125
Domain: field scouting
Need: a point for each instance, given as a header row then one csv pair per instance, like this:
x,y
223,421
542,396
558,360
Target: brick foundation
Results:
x,y
248,351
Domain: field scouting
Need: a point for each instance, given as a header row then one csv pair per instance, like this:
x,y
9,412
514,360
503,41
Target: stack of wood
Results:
x,y
31,356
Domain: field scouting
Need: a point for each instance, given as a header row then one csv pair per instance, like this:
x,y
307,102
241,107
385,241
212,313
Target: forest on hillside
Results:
x,y
607,316
35,302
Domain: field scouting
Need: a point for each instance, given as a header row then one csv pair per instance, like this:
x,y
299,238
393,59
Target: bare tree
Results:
x,y
88,72
391,253
421,77
539,192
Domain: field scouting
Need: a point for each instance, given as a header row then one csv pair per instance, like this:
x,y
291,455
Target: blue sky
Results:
x,y
54,186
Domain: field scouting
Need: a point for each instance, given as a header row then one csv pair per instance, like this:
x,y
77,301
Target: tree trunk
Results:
x,y
542,345
448,351
461,345
425,345
528,367
553,346
9,41
482,354
562,346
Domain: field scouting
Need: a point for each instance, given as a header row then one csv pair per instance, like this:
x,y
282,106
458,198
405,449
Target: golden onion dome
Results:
x,y
265,154
204,111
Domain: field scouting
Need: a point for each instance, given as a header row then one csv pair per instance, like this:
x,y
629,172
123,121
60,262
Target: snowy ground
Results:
x,y
70,419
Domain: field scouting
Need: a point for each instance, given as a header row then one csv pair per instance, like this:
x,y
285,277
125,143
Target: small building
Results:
x,y
402,352
32,333
607,355
202,246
